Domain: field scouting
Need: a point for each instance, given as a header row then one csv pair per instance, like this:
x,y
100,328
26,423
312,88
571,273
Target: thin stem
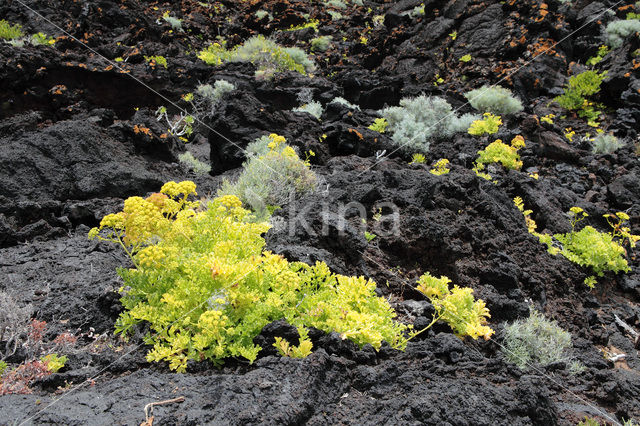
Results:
x,y
435,319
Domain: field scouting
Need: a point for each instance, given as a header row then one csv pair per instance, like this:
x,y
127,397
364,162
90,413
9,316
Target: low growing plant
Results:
x,y
10,32
202,103
576,93
618,30
320,44
499,152
487,126
41,39
369,236
54,362
456,306
193,164
592,248
268,56
418,121
343,101
418,159
160,60
441,167
599,251
303,349
272,173
313,108
605,143
494,99
537,340
205,286
176,23
379,125
602,52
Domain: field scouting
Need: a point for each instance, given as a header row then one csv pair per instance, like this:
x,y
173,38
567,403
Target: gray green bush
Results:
x,y
494,99
266,54
343,101
418,121
271,174
605,143
617,31
537,340
320,44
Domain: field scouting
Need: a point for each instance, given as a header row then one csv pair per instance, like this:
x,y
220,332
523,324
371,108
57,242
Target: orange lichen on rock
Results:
x,y
141,129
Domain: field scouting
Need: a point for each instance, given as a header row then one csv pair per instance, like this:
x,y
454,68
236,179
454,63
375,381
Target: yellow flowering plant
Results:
x,y
599,251
488,125
379,125
205,286
499,152
456,306
440,167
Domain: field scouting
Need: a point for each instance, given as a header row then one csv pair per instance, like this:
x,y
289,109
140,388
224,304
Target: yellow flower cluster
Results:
x,y
173,189
276,141
230,201
143,220
440,167
114,220
212,321
150,256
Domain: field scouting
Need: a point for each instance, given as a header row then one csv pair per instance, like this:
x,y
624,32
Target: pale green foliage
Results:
x,y
175,23
10,32
268,56
314,108
617,31
206,288
300,57
536,340
417,11
3,367
494,99
320,44
343,101
216,92
272,172
605,143
192,163
261,14
418,121
338,4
